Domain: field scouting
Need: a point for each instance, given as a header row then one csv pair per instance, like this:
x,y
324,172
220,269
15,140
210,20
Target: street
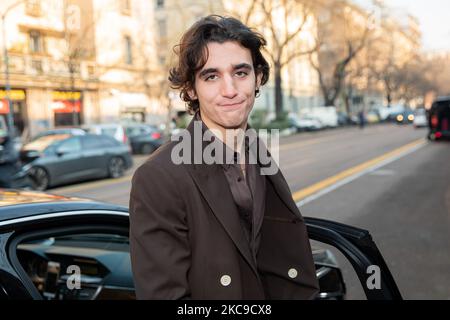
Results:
x,y
385,178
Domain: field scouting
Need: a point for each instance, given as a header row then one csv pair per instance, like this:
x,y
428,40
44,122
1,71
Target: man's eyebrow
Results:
x,y
207,71
243,65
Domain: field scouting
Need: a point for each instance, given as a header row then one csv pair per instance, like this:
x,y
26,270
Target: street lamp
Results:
x,y
6,63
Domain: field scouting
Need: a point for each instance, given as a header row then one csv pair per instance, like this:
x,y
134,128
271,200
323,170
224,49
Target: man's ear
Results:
x,y
259,76
191,93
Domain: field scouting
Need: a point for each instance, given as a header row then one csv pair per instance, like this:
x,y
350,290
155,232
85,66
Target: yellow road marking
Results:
x,y
303,193
91,185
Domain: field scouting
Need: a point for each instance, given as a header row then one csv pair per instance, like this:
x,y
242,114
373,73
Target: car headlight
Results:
x,y
26,167
400,118
411,117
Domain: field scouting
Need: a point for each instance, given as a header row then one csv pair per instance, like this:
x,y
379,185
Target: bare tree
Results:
x,y
154,73
282,22
343,31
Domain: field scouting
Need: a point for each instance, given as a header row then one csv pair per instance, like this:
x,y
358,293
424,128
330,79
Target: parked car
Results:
x,y
439,119
62,159
305,123
372,116
46,238
405,117
344,119
328,115
117,131
420,118
144,139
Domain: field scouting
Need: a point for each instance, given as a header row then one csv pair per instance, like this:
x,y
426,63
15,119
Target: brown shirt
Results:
x,y
248,190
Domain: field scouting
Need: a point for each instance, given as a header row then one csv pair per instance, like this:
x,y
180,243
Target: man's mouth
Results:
x,y
228,105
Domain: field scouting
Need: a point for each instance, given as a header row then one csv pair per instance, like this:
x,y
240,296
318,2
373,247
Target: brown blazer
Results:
x,y
187,242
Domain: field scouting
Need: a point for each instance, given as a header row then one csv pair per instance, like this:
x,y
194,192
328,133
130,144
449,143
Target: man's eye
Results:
x,y
241,74
211,77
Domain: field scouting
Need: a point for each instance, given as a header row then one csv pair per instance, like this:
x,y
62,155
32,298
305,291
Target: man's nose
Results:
x,y
228,87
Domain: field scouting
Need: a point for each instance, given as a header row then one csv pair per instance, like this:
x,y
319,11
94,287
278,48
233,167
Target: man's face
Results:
x,y
225,86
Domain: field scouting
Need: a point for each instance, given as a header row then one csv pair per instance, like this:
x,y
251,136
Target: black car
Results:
x,y
405,117
63,158
439,119
54,247
144,139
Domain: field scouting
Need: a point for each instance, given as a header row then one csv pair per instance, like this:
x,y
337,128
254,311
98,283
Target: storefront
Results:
x,y
67,107
18,103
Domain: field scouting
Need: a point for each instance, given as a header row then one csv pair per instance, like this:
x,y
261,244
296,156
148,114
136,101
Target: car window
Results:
x,y
107,141
337,278
45,141
133,131
71,145
91,142
78,266
109,131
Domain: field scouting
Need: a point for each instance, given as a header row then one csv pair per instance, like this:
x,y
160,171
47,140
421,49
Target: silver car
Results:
x,y
62,159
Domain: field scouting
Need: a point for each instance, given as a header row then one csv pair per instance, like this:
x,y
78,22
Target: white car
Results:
x,y
116,131
420,118
305,123
327,116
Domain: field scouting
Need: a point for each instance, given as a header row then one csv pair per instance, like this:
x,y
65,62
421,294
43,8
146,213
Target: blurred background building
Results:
x,y
77,62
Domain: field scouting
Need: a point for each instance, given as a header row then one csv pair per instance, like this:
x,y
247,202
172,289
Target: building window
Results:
x,y
36,43
128,50
36,65
162,26
33,8
159,4
125,6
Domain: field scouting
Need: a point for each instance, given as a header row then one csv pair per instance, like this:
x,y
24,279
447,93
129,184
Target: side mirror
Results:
x,y
331,281
61,152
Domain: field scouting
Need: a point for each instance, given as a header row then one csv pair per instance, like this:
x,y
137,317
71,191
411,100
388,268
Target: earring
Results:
x,y
257,93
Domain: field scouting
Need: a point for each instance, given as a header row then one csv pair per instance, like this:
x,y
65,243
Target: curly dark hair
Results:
x,y
192,51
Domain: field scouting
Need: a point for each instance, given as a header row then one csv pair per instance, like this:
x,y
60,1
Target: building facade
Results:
x,y
77,62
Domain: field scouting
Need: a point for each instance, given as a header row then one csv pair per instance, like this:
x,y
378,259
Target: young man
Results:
x,y
217,231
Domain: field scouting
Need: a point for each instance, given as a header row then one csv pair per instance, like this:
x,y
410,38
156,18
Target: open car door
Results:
x,y
361,252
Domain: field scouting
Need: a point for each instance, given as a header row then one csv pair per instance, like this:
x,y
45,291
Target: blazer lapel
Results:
x,y
213,185
279,183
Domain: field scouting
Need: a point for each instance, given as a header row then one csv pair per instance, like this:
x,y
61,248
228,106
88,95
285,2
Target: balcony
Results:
x,y
44,66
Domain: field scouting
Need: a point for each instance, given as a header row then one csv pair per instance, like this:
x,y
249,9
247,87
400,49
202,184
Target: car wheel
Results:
x,y
40,178
116,167
147,148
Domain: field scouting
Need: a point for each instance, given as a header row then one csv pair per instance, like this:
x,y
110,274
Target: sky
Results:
x,y
434,17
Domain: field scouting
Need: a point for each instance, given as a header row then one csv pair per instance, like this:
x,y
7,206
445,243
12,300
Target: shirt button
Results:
x,y
239,179
225,280
292,273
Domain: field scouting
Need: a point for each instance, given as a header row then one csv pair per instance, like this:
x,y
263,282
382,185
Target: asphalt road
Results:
x,y
385,178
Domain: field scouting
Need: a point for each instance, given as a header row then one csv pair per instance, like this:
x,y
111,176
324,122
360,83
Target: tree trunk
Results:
x,y
348,97
278,91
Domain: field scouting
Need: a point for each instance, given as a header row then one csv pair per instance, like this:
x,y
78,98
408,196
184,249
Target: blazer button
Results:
x,y
225,280
292,273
